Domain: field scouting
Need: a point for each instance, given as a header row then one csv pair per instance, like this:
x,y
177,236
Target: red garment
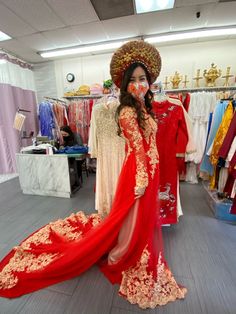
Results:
x,y
172,138
186,101
68,247
79,117
231,133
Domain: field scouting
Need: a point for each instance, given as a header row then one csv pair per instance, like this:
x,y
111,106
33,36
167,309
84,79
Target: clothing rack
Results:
x,y
55,99
201,89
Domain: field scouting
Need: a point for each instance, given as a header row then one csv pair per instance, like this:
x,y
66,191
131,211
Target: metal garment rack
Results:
x,y
202,89
55,99
84,97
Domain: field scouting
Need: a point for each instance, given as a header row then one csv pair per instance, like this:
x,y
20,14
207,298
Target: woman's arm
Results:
x,y
130,129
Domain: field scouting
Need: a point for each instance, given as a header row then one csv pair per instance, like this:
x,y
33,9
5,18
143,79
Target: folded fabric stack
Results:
x,y
73,150
83,90
96,89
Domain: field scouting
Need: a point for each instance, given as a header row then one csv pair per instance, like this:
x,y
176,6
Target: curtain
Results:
x,y
16,91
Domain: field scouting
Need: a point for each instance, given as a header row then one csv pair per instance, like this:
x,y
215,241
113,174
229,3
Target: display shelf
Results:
x,y
220,208
202,89
85,96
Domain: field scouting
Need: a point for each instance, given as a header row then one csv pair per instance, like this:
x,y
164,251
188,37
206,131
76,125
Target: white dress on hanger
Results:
x,y
109,149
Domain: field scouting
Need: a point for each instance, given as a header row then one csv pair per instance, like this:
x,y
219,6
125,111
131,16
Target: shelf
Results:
x,y
201,89
85,96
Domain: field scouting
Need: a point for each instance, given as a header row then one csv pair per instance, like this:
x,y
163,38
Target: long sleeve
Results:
x,y
182,135
92,142
131,131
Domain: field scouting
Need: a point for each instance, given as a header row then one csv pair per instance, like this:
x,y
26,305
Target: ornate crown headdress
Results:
x,y
131,52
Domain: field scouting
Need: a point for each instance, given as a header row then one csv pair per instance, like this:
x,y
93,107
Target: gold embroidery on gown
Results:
x,y
23,258
129,116
139,286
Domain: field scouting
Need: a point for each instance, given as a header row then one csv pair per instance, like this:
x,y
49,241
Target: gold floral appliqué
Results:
x,y
138,285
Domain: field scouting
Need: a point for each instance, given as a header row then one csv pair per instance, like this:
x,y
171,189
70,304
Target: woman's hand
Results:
x,y
138,192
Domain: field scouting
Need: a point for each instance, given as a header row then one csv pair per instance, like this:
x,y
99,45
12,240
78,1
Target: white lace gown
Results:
x,y
109,149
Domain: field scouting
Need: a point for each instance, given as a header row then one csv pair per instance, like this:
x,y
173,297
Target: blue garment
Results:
x,y
73,150
46,119
219,111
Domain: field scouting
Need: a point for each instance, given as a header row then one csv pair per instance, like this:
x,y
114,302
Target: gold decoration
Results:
x,y
227,76
175,80
131,52
212,75
166,82
197,78
185,81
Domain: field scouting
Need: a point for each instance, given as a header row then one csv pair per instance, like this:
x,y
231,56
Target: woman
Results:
x,y
128,243
69,138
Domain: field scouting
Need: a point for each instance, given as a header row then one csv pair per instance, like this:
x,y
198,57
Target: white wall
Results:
x,y
184,58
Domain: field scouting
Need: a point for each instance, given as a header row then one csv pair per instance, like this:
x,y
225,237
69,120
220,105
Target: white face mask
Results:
x,y
138,89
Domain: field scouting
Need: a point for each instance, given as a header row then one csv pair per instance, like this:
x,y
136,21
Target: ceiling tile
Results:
x,y
12,25
223,14
62,37
37,42
190,21
108,9
90,33
36,13
19,49
122,27
74,12
156,22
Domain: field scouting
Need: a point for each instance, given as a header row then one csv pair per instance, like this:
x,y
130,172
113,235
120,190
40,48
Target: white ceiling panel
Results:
x,y
90,33
37,13
181,3
122,27
37,42
190,21
151,23
12,25
62,37
223,14
74,12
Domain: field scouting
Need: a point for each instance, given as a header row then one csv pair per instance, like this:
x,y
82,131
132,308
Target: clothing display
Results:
x,y
66,248
79,114
52,116
118,121
108,148
218,113
219,138
172,127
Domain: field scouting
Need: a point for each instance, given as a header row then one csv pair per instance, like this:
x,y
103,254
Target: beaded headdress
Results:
x,y
131,52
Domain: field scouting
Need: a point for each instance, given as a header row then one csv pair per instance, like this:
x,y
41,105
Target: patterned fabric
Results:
x,y
109,150
131,52
172,139
138,90
46,119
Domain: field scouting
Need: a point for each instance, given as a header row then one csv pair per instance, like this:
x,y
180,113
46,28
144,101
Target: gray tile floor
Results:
x,y
200,250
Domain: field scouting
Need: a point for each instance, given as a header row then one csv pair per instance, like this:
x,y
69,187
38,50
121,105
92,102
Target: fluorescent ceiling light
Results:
x,y
143,6
191,35
3,61
81,50
4,36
